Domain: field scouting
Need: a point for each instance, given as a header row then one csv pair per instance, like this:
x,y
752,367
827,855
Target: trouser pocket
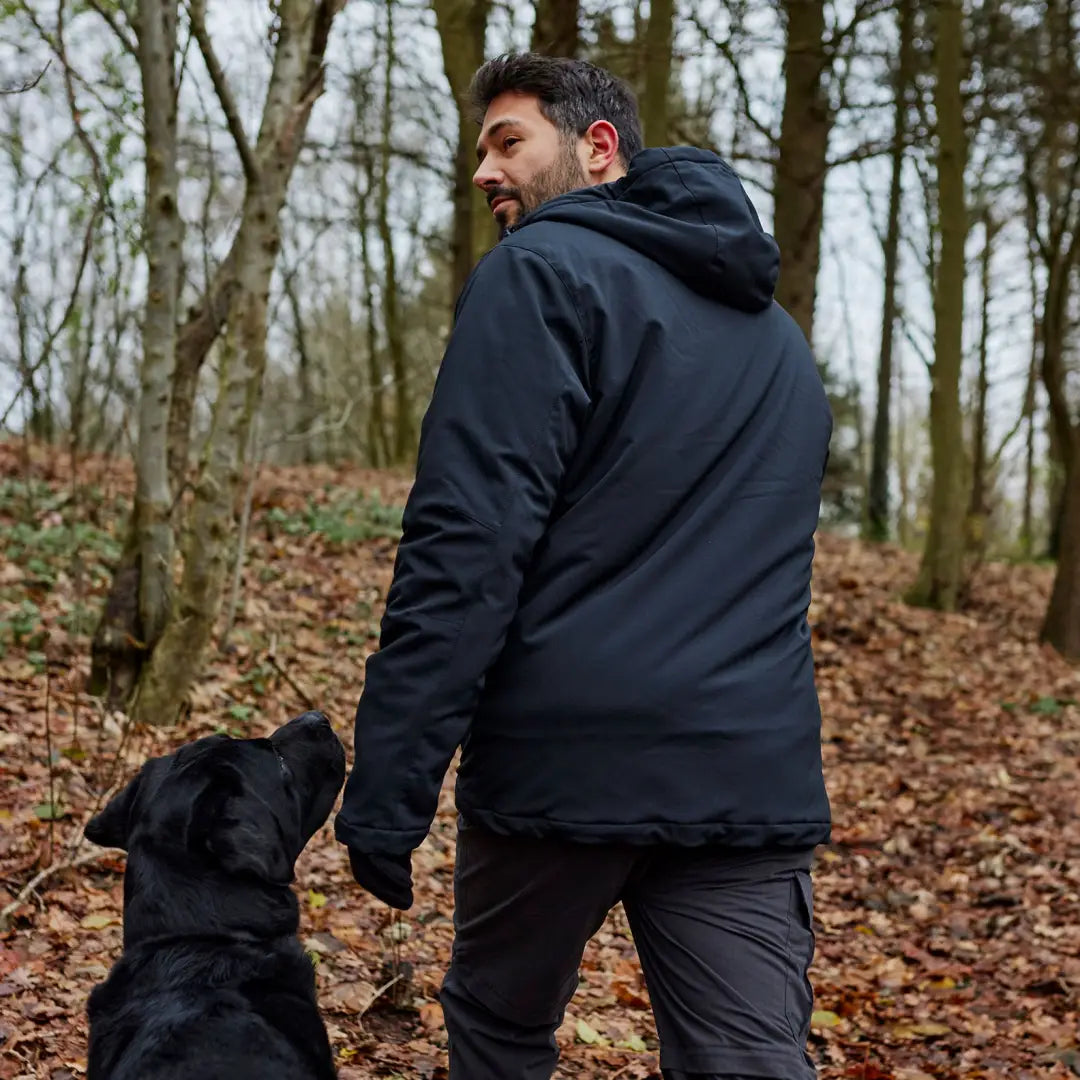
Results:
x,y
799,1004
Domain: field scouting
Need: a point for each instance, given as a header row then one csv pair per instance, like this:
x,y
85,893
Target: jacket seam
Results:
x,y
458,512
566,289
686,187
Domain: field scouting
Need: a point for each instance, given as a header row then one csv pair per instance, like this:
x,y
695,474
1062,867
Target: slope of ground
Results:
x,y
948,916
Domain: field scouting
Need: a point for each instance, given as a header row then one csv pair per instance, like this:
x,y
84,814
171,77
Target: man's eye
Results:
x,y
509,141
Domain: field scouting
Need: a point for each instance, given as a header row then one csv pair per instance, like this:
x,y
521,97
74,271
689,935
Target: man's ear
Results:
x,y
245,836
111,826
602,152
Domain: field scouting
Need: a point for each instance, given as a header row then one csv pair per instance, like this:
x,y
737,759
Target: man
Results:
x,y
601,595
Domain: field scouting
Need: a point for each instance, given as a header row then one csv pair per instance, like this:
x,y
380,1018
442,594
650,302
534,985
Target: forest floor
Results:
x,y
947,904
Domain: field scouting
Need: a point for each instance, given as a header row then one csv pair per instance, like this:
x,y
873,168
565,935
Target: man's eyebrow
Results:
x,y
508,121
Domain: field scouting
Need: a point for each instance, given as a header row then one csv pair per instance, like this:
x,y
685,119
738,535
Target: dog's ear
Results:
x,y
244,834
111,826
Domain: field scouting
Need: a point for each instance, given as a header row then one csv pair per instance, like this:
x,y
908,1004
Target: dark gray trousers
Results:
x,y
724,937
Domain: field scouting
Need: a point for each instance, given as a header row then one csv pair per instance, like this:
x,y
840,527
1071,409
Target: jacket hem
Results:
x,y
797,834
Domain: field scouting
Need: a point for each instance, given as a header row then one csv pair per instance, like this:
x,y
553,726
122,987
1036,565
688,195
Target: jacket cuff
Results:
x,y
377,841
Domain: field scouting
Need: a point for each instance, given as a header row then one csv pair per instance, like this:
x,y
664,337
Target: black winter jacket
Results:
x,y
602,586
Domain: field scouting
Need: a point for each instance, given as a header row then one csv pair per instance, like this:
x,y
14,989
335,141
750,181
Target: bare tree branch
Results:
x,y
120,33
906,324
995,458
50,341
861,153
76,113
197,15
23,87
725,50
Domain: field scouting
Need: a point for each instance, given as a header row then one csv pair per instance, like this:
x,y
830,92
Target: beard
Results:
x,y
563,175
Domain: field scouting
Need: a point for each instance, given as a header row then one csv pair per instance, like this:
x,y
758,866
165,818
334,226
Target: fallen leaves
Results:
x,y
98,921
947,906
920,1029
586,1034
349,997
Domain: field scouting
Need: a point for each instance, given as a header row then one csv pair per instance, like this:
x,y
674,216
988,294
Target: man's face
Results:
x,y
523,158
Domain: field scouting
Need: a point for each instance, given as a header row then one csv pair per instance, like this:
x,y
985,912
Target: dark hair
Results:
x,y
573,94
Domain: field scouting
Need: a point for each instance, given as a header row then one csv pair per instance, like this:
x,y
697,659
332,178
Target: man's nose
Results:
x,y
487,176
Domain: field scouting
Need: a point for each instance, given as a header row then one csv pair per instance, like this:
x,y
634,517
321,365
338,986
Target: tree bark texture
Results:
x,y
1061,628
555,28
802,161
877,515
462,27
940,583
658,43
404,422
979,506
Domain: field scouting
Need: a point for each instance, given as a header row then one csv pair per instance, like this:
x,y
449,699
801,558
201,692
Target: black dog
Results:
x,y
213,983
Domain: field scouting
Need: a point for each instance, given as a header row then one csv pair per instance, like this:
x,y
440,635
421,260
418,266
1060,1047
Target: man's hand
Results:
x,y
387,877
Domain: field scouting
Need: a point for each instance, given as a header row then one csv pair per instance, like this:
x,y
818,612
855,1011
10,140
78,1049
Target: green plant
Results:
x,y
43,552
21,625
348,519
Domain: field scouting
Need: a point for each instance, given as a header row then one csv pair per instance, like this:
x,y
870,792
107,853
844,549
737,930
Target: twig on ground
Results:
x,y
301,693
51,764
378,994
43,875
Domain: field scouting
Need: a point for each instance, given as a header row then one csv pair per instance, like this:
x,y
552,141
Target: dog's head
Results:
x,y
247,806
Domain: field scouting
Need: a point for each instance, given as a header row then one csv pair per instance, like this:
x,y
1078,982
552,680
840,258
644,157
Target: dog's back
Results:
x,y
213,983
212,1009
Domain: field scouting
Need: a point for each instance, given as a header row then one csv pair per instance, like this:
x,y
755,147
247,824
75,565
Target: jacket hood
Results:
x,y
687,210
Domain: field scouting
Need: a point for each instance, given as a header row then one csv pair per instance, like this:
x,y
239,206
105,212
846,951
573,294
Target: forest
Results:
x,y
232,238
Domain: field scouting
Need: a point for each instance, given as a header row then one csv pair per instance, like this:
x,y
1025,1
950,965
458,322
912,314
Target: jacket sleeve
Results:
x,y
504,420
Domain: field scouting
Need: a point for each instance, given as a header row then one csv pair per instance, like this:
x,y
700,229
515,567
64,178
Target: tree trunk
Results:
x,y
1027,537
376,437
206,320
555,28
658,42
309,410
877,511
941,576
1052,176
1052,339
462,26
204,324
1027,540
1061,627
378,442
295,84
799,182
903,512
1055,490
404,422
978,508
137,611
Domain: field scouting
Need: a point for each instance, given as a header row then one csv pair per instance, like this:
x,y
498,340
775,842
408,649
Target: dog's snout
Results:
x,y
313,718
